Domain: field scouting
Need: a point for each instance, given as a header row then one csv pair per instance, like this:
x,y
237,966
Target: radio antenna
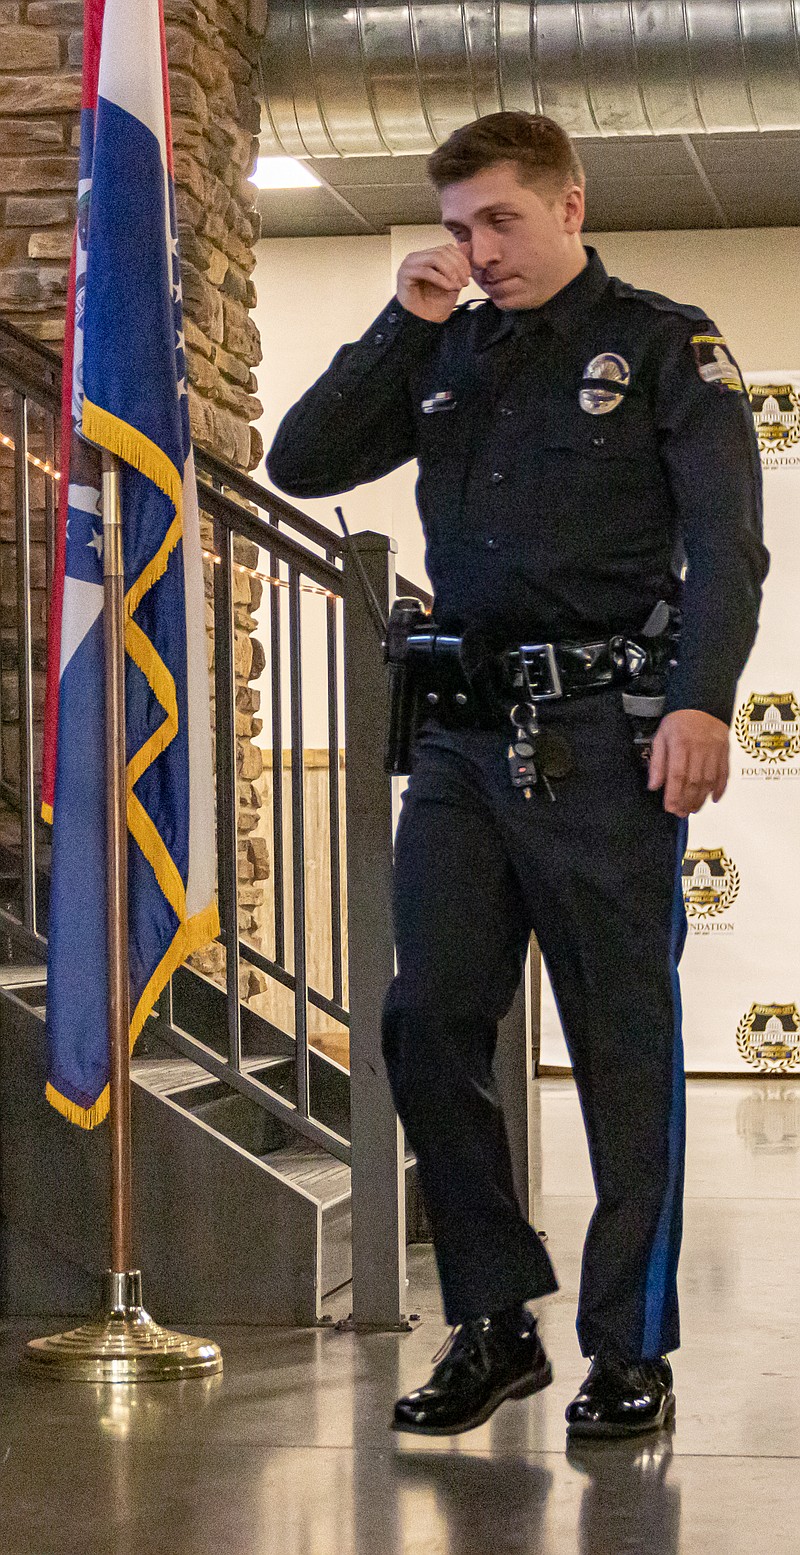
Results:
x,y
370,597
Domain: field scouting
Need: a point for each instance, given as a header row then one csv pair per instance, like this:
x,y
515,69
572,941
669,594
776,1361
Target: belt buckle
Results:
x,y
526,656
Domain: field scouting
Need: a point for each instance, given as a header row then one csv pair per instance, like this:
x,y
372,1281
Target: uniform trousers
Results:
x,y
596,876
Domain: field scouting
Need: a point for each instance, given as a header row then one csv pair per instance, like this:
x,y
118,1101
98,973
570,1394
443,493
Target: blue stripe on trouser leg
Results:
x,y
663,1266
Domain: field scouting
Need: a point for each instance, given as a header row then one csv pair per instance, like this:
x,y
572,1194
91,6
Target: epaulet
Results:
x,y
658,303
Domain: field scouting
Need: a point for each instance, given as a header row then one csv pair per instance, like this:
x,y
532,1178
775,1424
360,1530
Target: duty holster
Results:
x,y
458,679
424,665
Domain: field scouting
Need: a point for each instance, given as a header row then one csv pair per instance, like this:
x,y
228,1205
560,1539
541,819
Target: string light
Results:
x,y
264,577
252,572
41,464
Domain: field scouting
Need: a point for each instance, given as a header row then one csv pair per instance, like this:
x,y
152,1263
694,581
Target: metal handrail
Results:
x,y
39,377
222,474
30,345
264,533
30,373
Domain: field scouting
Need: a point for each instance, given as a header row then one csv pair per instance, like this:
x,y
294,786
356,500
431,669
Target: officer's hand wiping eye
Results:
x,y
689,760
429,283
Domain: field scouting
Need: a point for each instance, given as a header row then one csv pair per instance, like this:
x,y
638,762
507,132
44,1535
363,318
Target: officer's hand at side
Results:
x,y
689,760
429,283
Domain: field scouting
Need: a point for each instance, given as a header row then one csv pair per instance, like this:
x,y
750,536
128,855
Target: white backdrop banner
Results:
x,y
740,972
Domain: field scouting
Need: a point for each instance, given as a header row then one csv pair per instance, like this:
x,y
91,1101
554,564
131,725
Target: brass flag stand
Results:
x,y
123,1343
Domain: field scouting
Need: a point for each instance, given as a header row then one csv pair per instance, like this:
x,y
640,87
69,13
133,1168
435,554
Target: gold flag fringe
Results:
x,y
190,936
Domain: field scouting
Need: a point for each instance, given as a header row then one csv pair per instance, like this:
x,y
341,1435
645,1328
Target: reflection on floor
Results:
x,y
288,1454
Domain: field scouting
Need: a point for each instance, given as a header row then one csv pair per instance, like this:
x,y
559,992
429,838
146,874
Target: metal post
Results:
x,y
334,827
122,1344
298,847
117,874
377,1161
276,697
227,780
24,665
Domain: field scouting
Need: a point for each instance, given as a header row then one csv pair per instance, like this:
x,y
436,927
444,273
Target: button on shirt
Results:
x,y
546,520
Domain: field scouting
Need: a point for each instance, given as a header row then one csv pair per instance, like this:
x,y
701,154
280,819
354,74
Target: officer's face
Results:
x,y
521,242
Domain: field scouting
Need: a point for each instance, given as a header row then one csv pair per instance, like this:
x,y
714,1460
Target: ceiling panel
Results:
x,y
634,184
638,204
410,205
303,213
741,153
653,157
764,203
350,172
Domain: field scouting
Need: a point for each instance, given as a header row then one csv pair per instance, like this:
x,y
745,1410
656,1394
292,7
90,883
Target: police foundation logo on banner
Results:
x,y
768,730
776,412
768,1038
710,888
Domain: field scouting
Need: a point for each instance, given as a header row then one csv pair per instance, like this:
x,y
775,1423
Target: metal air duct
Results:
x,y
397,76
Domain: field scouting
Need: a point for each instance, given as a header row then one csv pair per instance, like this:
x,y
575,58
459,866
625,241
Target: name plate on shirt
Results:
x,y
444,400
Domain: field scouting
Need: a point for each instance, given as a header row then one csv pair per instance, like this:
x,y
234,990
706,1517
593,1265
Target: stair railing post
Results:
x,y
377,1161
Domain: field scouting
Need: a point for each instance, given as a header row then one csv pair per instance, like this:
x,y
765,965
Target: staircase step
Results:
x,y
164,1076
14,977
310,1170
27,982
313,1170
305,1169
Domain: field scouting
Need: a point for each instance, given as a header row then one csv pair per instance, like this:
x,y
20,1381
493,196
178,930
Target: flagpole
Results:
x,y
122,1344
117,872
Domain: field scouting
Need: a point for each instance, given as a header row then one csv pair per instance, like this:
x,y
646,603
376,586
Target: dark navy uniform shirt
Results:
x,y
548,515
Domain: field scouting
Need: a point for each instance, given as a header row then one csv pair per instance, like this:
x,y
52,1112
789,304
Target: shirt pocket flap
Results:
x,y
597,437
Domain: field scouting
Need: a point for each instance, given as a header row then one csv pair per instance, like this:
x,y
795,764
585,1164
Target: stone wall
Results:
x,y
40,54
212,52
212,59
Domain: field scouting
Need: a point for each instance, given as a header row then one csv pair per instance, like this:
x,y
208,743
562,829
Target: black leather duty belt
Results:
x,y
461,682
544,672
458,689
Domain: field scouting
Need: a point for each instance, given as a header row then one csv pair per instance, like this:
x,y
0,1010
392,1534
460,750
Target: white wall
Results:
x,y
316,293
313,295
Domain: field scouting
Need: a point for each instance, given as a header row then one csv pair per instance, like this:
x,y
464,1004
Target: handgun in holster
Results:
x,y
644,699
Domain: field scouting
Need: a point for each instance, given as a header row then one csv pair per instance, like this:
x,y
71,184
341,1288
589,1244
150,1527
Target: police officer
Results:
x,y
587,464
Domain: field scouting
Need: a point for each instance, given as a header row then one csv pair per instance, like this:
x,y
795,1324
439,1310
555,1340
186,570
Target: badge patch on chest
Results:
x,y
599,392
715,364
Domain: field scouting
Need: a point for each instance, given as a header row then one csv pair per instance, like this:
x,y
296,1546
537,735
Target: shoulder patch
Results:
x,y
715,363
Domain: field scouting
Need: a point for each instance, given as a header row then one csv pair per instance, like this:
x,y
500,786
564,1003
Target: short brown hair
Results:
x,y
542,151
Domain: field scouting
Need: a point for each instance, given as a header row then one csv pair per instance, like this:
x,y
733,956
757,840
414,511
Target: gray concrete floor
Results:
x,y
289,1454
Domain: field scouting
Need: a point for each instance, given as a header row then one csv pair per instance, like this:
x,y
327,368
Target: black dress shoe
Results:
x,y
485,1361
623,1398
